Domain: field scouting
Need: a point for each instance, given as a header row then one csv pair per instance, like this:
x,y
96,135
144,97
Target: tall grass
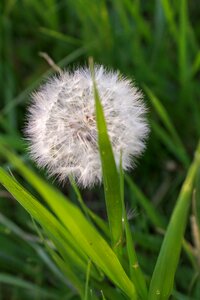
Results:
x,y
157,44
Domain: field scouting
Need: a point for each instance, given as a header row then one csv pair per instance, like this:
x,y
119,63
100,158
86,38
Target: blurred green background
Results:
x,y
156,43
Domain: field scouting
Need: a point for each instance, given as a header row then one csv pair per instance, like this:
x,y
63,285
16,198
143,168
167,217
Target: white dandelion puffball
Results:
x,y
61,123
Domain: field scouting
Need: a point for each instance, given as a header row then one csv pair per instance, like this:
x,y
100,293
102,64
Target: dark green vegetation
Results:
x,y
157,44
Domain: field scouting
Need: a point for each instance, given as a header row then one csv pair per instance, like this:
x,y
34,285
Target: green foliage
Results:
x,y
110,173
157,44
80,234
163,277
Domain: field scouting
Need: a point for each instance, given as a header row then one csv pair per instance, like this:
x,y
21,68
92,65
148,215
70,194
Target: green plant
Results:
x,y
77,244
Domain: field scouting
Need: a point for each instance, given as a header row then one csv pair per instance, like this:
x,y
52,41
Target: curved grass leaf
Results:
x,y
163,276
32,241
45,219
86,236
197,199
88,212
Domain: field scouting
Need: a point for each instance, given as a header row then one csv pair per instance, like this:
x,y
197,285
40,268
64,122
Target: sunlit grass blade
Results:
x,y
158,220
68,272
110,173
64,260
88,212
163,276
84,234
45,219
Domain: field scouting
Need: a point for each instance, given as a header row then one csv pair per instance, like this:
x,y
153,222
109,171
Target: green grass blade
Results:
x,y
85,235
13,141
156,219
169,14
163,276
88,212
178,152
197,199
43,217
86,297
164,117
110,173
135,271
39,291
79,197
103,297
69,273
66,263
150,210
60,36
23,95
196,65
182,44
31,241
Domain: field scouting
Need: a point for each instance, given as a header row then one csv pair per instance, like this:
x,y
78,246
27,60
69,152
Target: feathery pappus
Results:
x,y
61,123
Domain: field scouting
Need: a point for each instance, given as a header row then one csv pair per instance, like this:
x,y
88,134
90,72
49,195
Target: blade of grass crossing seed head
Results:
x,y
163,276
110,173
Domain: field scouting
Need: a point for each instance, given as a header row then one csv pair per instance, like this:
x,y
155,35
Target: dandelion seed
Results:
x,y
61,124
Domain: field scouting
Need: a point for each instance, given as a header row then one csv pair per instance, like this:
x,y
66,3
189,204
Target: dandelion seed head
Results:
x,y
61,124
